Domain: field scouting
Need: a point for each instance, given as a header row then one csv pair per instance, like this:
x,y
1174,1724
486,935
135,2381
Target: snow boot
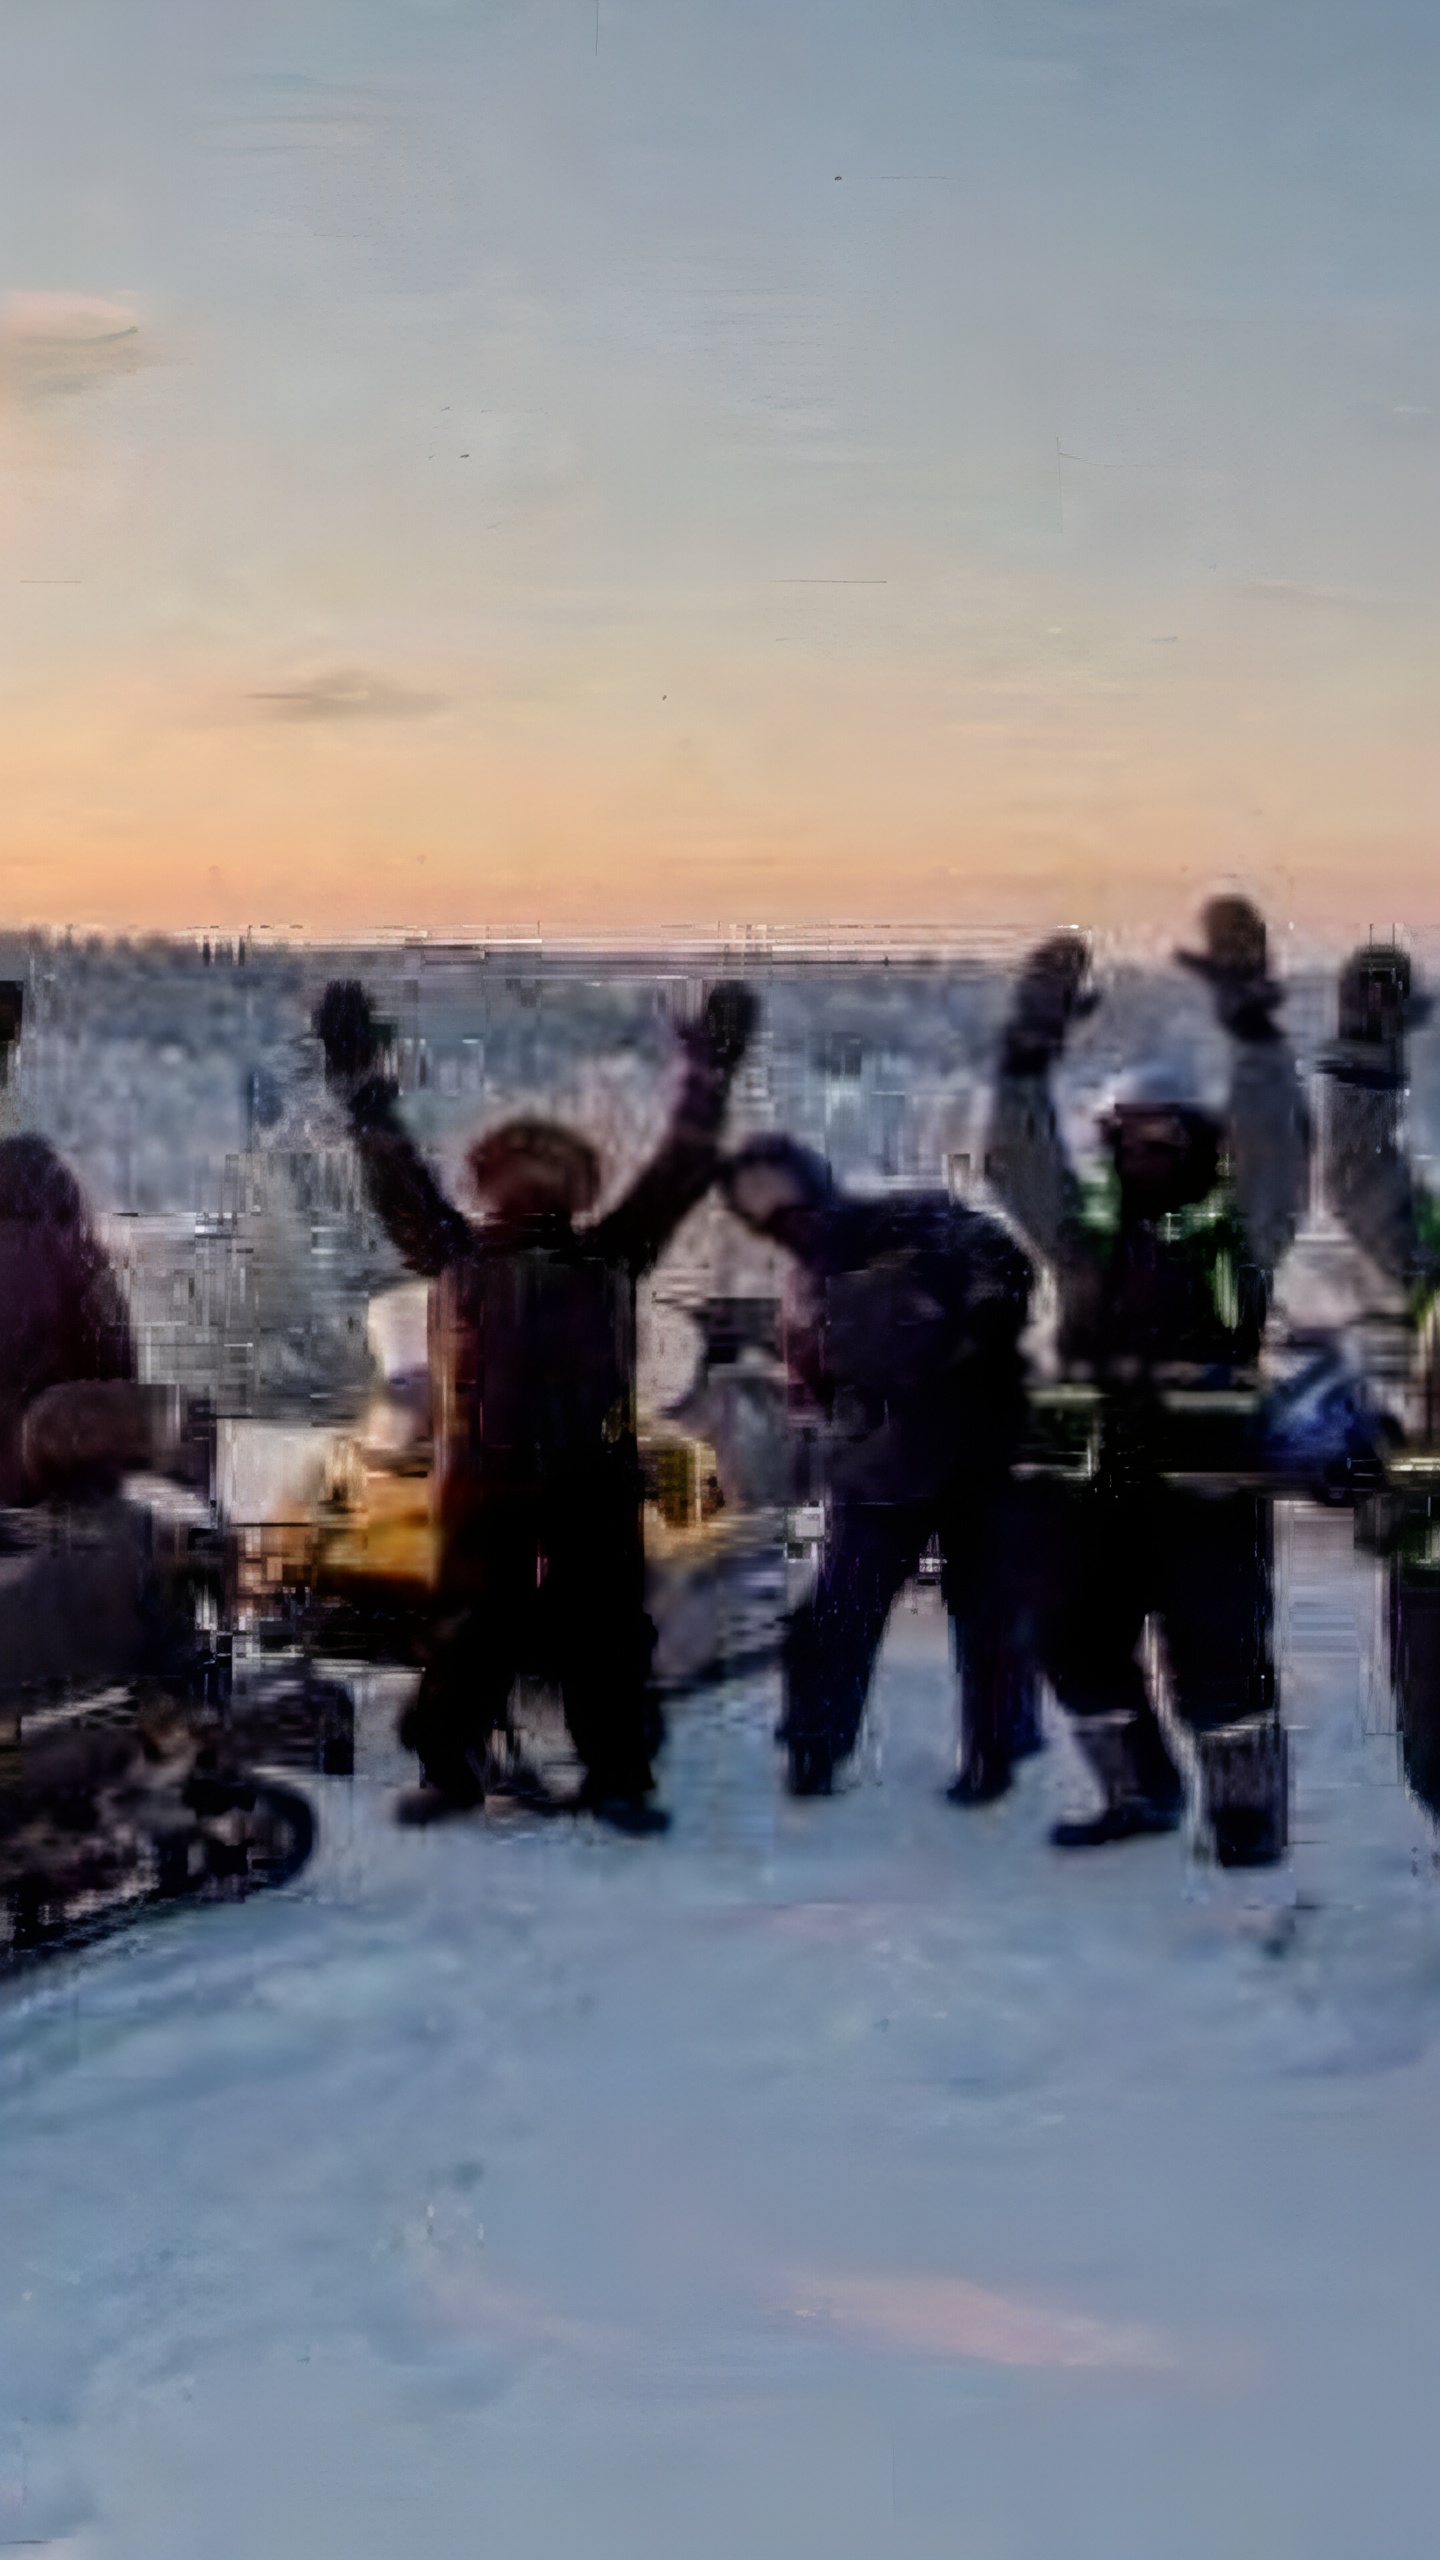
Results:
x,y
984,1776
1143,1790
636,1817
812,1769
1245,1792
628,1808
469,1785
453,1762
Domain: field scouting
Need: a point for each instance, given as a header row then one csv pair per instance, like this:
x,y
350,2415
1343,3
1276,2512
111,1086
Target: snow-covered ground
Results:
x,y
843,2179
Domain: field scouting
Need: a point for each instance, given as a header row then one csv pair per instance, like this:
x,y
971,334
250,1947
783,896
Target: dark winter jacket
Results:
x,y
1393,1217
63,1317
532,1325
1187,1295
1371,1186
904,1324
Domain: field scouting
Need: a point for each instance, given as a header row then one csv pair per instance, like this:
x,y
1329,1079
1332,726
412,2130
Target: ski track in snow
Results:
x,y
852,2178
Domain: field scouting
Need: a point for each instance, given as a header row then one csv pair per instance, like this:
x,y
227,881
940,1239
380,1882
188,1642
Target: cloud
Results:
x,y
1292,591
945,2317
346,693
55,345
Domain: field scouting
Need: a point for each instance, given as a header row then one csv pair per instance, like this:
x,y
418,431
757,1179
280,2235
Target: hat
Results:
x,y
1156,1084
541,1144
806,1174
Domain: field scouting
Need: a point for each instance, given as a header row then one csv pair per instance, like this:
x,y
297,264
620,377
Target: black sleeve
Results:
x,y
637,1230
424,1227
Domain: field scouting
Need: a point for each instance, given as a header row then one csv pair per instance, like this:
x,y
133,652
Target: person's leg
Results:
x,y
984,1538
1414,1598
604,1642
476,1646
1099,1571
1215,1569
871,1549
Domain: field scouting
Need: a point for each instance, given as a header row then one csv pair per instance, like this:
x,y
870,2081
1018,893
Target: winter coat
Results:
x,y
1394,1219
63,1317
903,1326
1184,1296
533,1325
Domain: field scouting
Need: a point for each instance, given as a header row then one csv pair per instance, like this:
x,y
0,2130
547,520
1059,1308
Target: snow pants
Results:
x,y
553,1585
1414,1598
1106,1559
871,1551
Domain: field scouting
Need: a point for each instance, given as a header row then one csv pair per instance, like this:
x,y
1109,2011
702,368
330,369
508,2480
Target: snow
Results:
x,y
845,2179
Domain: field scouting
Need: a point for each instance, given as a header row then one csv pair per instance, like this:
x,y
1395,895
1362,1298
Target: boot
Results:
x,y
1002,1729
453,1763
985,1774
1245,1790
623,1801
812,1769
636,1817
1143,1789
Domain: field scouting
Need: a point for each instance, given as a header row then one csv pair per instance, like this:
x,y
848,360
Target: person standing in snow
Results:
x,y
537,1475
79,1601
1165,1285
903,1332
1395,1220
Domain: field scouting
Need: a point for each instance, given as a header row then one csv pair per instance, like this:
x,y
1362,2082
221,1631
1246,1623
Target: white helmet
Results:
x,y
1157,1084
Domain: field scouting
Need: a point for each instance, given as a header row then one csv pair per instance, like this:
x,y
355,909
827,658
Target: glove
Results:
x,y
1050,994
1378,1006
1378,998
1235,966
721,1036
348,1030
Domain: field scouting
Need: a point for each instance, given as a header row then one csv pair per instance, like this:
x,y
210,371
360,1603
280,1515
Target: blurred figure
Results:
x,y
536,1470
62,1312
1368,1178
120,1805
1164,1285
79,1601
903,1332
1395,1220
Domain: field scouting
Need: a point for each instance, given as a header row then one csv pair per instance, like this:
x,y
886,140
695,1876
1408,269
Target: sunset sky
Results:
x,y
923,467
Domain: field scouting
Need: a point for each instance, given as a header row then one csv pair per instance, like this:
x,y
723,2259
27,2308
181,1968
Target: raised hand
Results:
x,y
1378,1006
349,1031
1378,998
1050,994
725,1028
1235,966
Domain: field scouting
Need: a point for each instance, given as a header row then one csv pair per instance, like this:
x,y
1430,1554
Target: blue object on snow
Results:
x,y
1325,1426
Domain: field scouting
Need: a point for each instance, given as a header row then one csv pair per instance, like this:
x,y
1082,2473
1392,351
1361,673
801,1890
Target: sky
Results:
x,y
929,469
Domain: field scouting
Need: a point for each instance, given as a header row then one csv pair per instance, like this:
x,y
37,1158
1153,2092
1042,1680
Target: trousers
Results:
x,y
552,1585
1414,1612
1105,1560
871,1552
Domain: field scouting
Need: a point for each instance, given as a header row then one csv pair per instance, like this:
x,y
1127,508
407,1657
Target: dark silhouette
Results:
x,y
1395,1219
1165,1287
533,1361
904,1335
